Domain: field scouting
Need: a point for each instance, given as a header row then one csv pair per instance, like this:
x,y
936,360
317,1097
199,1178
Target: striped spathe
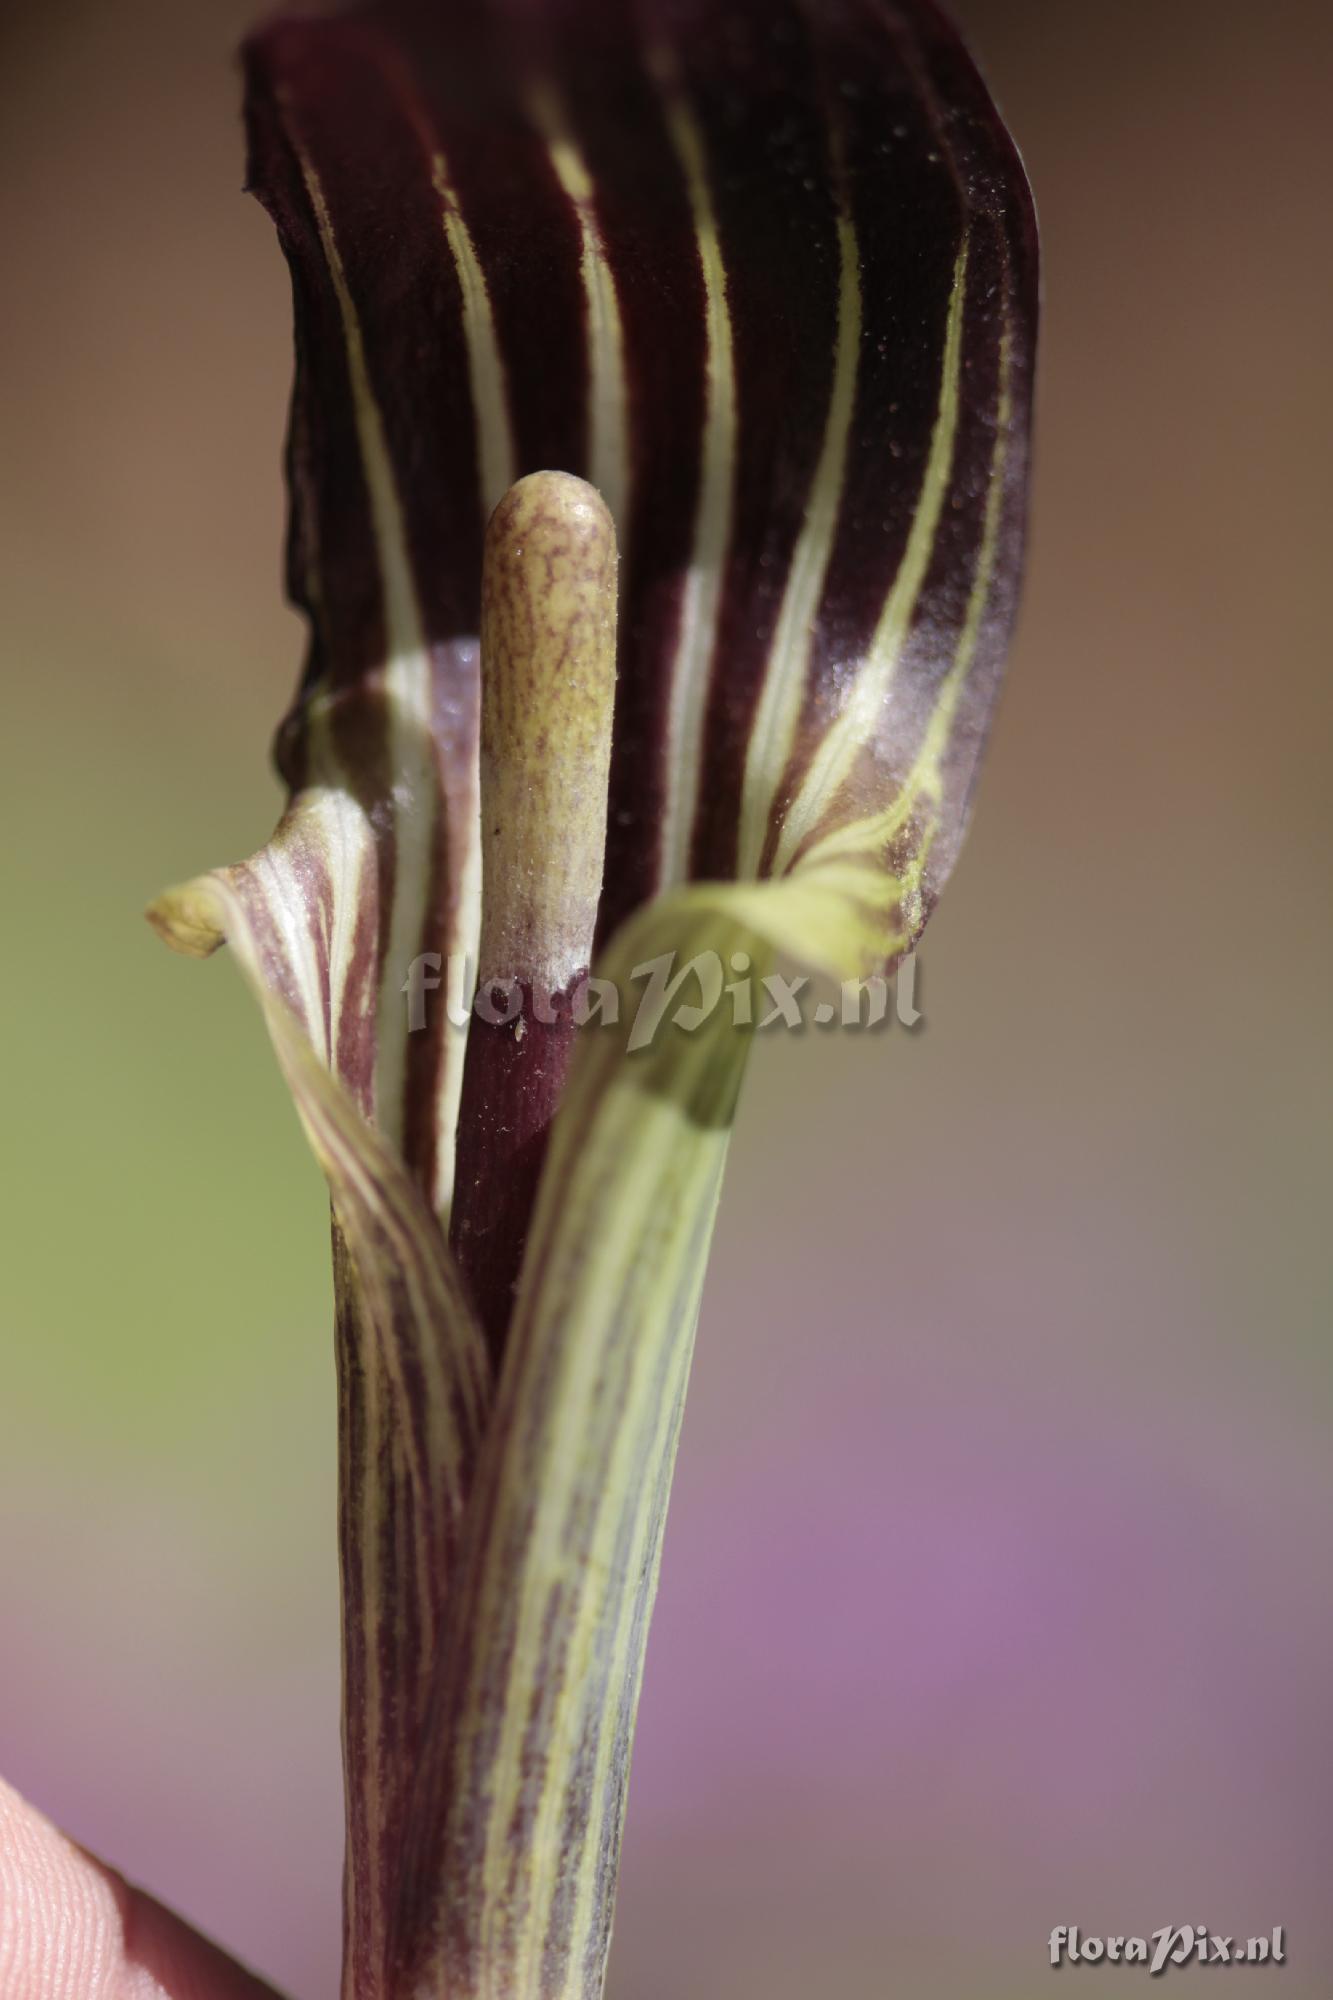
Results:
x,y
763,274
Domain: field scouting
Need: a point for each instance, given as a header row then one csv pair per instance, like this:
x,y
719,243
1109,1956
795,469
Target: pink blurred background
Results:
x,y
996,1592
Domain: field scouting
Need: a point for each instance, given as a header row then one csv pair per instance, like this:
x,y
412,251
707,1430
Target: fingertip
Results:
x,y
73,1929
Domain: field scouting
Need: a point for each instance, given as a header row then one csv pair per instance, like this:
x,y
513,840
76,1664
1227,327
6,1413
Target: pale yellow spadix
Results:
x,y
548,649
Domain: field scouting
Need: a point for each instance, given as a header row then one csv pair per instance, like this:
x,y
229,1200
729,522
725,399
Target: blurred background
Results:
x,y
996,1592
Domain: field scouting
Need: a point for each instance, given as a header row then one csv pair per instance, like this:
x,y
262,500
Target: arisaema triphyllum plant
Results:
x,y
657,463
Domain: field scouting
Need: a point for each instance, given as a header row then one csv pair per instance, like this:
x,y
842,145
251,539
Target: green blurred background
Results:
x,y
996,1592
